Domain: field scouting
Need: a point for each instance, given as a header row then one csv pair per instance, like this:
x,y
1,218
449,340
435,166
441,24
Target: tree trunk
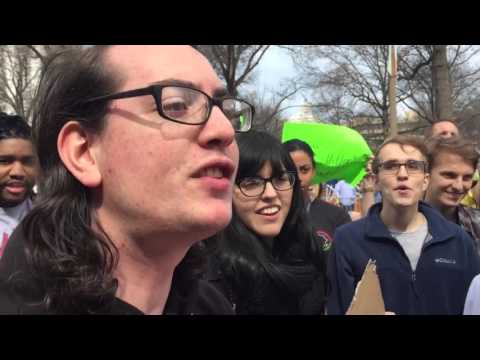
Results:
x,y
441,84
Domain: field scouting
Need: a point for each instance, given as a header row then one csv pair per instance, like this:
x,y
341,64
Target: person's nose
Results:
x,y
218,130
458,184
303,181
17,171
270,192
402,172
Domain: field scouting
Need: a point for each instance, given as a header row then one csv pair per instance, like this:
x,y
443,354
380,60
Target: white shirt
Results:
x,y
472,303
9,219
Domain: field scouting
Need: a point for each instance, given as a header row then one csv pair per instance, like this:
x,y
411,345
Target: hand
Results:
x,y
369,165
367,184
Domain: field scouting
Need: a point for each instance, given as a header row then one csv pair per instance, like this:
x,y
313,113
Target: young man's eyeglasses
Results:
x,y
190,106
392,167
255,186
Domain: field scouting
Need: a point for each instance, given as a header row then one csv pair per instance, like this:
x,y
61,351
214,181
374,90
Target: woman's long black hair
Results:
x,y
244,256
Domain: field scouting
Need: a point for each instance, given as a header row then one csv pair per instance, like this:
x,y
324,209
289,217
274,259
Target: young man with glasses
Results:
x,y
425,263
138,157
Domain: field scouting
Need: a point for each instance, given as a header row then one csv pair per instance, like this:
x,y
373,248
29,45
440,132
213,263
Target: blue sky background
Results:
x,y
275,67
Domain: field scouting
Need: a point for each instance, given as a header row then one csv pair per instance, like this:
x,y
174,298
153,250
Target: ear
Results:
x,y
74,146
426,181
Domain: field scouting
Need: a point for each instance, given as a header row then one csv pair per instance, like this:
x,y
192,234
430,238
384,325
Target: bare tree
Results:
x,y
343,79
441,81
43,51
234,63
19,70
269,109
435,81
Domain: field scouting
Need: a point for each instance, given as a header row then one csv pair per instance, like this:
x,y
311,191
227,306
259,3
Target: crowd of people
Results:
x,y
154,196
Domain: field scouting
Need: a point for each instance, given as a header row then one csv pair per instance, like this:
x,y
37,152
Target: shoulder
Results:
x,y
473,213
350,232
439,226
472,302
321,205
210,301
475,285
19,292
353,225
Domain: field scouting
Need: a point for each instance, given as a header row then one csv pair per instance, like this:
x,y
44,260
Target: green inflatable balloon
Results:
x,y
341,153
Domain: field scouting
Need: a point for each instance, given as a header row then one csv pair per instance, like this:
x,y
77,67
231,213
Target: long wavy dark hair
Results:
x,y
244,256
70,262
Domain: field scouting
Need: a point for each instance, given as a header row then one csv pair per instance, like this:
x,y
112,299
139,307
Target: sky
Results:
x,y
275,67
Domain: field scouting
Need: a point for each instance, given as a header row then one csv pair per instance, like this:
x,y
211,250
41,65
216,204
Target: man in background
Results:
x,y
18,169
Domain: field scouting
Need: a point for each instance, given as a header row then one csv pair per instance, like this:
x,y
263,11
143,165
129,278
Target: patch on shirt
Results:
x,y
327,239
445,261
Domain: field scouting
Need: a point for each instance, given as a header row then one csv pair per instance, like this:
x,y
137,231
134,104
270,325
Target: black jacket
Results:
x,y
202,298
325,218
262,296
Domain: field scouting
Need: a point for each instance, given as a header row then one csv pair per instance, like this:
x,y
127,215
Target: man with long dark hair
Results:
x,y
138,157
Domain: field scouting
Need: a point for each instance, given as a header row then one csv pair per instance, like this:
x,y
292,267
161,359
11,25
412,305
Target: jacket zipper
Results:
x,y
413,275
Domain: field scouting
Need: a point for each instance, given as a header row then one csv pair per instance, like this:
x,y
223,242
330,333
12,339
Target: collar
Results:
x,y
17,212
438,226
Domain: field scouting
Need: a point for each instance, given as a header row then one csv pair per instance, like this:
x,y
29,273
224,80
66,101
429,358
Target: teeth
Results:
x,y
214,172
269,211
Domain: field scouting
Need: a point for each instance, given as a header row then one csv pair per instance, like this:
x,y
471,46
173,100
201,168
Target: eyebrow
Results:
x,y
15,157
397,160
217,93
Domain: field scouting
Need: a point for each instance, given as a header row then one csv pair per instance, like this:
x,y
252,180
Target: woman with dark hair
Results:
x,y
266,261
324,217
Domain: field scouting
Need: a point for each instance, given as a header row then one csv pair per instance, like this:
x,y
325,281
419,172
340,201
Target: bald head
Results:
x,y
444,129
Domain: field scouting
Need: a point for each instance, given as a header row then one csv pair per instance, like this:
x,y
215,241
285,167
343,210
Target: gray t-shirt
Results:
x,y
412,242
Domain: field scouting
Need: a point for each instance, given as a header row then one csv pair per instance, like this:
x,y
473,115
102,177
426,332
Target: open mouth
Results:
x,y
216,170
269,210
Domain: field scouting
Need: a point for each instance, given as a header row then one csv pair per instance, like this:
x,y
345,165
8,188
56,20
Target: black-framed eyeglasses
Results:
x,y
392,167
255,185
189,106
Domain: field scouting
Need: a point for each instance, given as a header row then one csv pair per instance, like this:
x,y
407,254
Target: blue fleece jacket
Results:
x,y
439,285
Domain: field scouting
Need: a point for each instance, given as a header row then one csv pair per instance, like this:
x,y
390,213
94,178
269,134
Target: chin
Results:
x,y
215,219
449,203
404,204
268,232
